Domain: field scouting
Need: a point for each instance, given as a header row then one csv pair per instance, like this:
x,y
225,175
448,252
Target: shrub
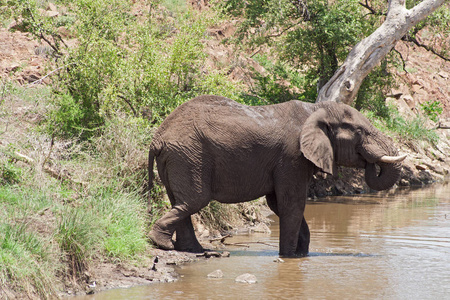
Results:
x,y
9,173
432,109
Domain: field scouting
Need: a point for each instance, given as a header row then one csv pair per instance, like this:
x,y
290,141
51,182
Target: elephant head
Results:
x,y
337,134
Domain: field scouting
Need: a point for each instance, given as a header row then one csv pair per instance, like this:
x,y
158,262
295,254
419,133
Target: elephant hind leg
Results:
x,y
162,231
177,219
185,237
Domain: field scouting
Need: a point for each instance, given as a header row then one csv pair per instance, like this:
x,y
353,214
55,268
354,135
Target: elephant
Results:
x,y
213,148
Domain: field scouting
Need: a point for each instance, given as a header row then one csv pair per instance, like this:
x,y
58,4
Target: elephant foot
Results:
x,y
293,255
302,250
161,239
193,247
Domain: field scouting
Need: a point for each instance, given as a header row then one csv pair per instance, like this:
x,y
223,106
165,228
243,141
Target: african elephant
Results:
x,y
212,147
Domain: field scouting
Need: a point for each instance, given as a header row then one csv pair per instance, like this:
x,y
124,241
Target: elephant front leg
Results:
x,y
303,239
302,248
289,235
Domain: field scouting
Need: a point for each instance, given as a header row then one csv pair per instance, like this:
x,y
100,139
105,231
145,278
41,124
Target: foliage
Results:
x,y
309,37
123,219
129,64
9,173
141,64
432,109
409,129
279,84
314,37
376,85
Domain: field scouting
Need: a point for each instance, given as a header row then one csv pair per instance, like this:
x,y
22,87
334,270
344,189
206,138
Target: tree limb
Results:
x,y
129,104
345,83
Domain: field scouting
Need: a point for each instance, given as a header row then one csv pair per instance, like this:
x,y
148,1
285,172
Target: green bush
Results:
x,y
432,109
9,173
128,64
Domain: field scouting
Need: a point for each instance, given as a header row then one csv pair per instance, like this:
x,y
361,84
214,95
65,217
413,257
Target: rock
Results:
x,y
420,167
409,101
51,14
435,167
278,260
260,227
216,274
246,278
443,74
52,7
225,254
209,254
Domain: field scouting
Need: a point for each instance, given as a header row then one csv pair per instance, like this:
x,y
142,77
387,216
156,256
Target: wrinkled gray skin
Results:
x,y
214,148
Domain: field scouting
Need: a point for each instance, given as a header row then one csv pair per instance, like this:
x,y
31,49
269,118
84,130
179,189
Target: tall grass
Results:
x,y
25,262
78,235
123,220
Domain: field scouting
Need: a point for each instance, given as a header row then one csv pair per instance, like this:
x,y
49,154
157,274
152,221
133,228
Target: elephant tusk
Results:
x,y
392,159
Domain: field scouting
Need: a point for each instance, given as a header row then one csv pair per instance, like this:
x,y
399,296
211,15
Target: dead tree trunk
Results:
x,y
345,83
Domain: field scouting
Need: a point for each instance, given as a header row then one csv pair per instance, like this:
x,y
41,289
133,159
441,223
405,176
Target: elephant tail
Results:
x,y
152,153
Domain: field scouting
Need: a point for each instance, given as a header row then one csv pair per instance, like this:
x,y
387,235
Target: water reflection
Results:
x,y
393,246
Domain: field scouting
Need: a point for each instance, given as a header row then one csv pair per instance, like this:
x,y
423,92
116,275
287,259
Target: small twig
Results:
x,y
442,127
409,38
50,151
284,30
39,80
246,244
402,59
371,9
256,52
127,101
221,239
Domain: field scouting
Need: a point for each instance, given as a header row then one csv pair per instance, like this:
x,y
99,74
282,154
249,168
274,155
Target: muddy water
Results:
x,y
365,247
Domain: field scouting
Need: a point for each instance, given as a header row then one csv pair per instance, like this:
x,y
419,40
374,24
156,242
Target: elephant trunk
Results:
x,y
387,177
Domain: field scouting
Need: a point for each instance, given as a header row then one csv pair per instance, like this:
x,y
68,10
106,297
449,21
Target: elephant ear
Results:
x,y
315,143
